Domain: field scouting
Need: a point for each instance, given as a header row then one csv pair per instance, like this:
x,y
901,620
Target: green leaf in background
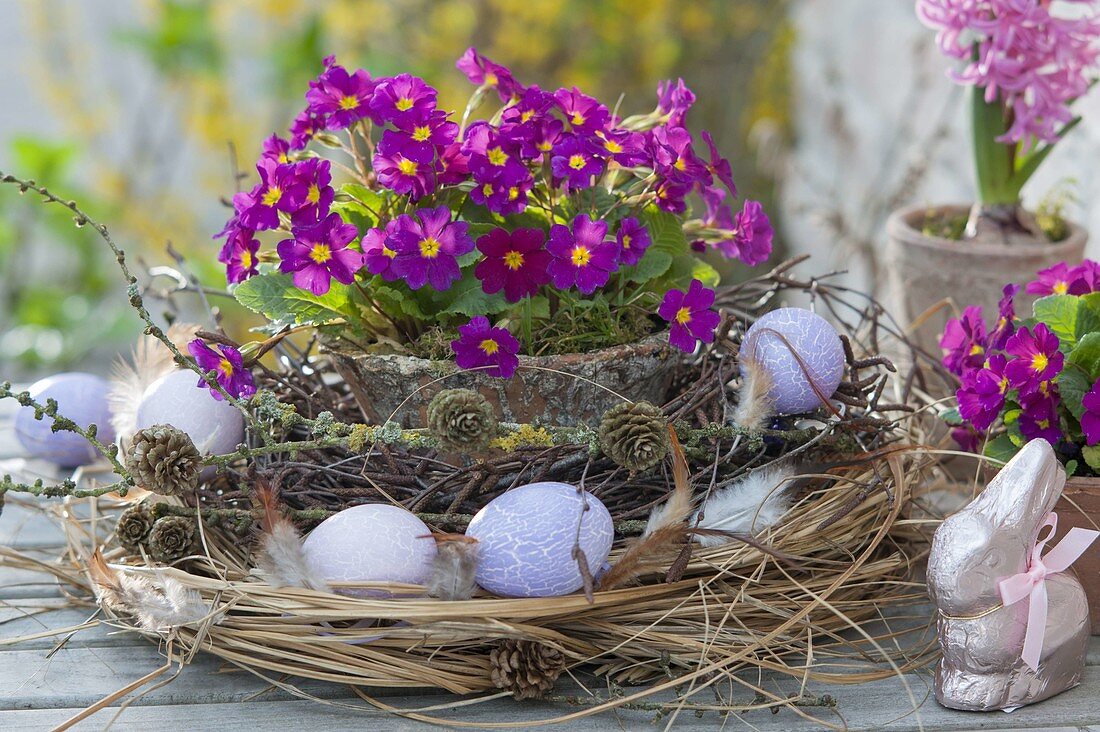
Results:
x,y
1060,313
276,297
1086,354
1001,449
359,205
665,231
653,263
1073,384
395,299
952,417
1091,455
466,297
1071,468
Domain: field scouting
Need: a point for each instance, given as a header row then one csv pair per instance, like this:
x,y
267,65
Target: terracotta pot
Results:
x,y
1080,506
553,390
923,270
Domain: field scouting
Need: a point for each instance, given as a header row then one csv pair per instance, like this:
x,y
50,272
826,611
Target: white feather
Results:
x,y
454,571
157,604
151,360
750,506
283,561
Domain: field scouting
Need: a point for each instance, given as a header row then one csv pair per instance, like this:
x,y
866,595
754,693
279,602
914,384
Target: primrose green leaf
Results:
x,y
277,298
1091,455
1073,384
1086,354
1001,449
1060,313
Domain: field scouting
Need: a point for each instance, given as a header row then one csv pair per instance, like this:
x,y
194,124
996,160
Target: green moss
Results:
x,y
944,225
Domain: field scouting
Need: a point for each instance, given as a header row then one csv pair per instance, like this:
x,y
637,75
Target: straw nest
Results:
x,y
801,599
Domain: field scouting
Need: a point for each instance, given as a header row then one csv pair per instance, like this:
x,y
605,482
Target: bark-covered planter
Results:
x,y
565,390
1080,506
923,270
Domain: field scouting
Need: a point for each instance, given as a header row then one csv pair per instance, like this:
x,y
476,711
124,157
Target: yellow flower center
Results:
x,y
429,247
314,194
544,146
576,162
497,156
976,349
422,133
513,193
1043,424
246,259
612,147
272,195
1003,384
491,79
404,104
225,367
406,166
581,256
1060,288
513,260
680,164
320,253
487,190
388,252
283,158
1039,362
577,118
683,316
489,346
526,115
349,102
626,241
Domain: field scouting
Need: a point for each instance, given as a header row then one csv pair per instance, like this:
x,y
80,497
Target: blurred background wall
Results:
x,y
832,111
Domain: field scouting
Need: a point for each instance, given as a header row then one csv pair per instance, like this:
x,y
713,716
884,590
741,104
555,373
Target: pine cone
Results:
x,y
163,459
634,435
172,537
133,526
528,669
462,420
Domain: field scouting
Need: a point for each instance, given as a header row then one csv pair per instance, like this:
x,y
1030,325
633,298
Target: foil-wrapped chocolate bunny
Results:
x,y
1013,624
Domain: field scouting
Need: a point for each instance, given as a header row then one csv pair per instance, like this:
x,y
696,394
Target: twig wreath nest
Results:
x,y
680,520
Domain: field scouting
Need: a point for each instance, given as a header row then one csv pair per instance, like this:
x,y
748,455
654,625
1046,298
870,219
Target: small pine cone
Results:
x,y
162,459
528,669
634,435
172,537
462,420
133,526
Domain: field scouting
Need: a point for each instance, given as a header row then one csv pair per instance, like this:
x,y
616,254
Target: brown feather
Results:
x,y
156,605
755,406
665,533
281,558
455,567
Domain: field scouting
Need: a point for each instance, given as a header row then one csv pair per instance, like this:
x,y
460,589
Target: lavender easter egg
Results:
x,y
375,542
527,535
820,357
81,398
216,427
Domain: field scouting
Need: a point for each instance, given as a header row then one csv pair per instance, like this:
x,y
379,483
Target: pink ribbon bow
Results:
x,y
1032,583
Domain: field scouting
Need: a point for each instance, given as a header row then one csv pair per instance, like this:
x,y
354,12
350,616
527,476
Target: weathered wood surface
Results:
x,y
42,686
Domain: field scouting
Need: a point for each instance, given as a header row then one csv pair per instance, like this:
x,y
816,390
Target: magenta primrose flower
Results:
x,y
584,113
963,341
1090,420
340,98
307,124
1006,318
718,166
753,234
1037,361
983,393
633,240
229,368
674,156
1060,279
515,263
572,161
398,170
377,256
279,189
690,316
315,174
239,255
581,257
428,247
424,136
674,100
403,100
277,149
1039,417
491,350
319,253
481,71
623,146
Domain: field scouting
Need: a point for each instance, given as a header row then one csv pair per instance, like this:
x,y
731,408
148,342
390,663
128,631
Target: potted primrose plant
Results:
x,y
1037,377
1024,63
544,256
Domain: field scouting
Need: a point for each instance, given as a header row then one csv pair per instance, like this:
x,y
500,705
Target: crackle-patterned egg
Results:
x,y
81,398
216,427
527,535
375,542
818,347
